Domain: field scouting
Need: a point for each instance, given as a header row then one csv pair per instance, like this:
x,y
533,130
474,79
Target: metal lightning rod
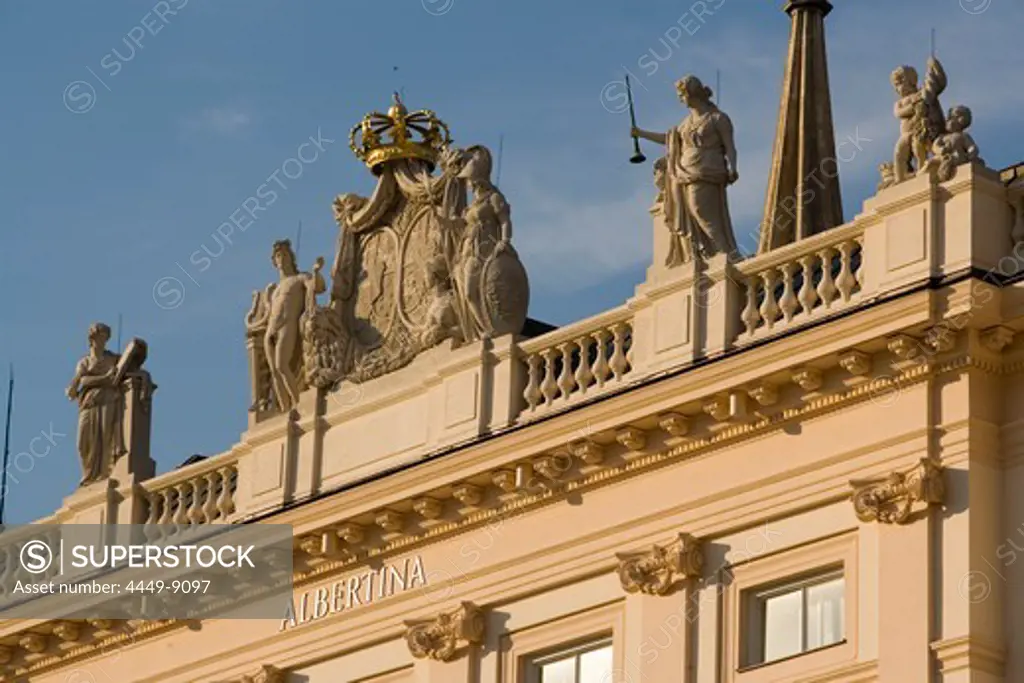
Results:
x,y
7,441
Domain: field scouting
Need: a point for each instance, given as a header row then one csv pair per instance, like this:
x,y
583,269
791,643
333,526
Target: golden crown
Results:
x,y
398,126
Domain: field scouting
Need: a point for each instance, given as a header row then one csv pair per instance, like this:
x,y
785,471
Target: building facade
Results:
x,y
800,466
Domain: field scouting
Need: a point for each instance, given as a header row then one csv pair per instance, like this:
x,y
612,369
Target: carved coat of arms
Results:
x,y
427,257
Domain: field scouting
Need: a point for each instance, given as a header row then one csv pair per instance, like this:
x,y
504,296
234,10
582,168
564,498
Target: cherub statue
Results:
x,y
955,146
920,115
287,303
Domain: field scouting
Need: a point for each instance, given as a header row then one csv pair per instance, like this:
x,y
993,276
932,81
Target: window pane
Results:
x,y
825,617
596,666
563,671
783,622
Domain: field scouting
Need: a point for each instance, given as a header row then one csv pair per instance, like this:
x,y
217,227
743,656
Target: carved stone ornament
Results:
x,y
98,386
890,499
699,164
921,121
997,338
658,570
266,674
426,258
808,379
440,637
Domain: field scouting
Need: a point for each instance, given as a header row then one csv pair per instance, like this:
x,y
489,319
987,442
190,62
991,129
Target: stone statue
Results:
x,y
261,385
442,319
417,262
100,407
955,146
285,304
679,249
920,115
490,278
700,163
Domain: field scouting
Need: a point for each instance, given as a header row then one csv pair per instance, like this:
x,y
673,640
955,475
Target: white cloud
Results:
x,y
219,120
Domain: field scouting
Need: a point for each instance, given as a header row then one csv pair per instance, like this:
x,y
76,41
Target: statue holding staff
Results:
x,y
700,163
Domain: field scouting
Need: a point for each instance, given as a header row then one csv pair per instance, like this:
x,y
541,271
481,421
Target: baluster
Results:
x,y
532,393
845,282
601,369
751,316
618,363
210,501
549,387
181,514
566,380
859,275
769,308
583,374
199,493
788,303
153,518
826,288
808,297
170,498
226,503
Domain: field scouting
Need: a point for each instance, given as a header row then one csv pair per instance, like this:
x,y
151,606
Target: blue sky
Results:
x,y
119,166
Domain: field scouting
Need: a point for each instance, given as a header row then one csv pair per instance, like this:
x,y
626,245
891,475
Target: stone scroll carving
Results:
x,y
700,163
99,386
440,637
426,258
658,570
891,499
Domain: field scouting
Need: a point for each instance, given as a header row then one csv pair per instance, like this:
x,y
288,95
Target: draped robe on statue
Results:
x,y
697,175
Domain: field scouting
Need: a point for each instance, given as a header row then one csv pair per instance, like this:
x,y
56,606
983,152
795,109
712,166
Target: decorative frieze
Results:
x,y
808,379
440,637
428,508
266,674
717,408
658,570
632,438
68,631
390,521
352,533
765,393
857,363
903,346
590,452
997,338
505,480
890,499
469,495
34,643
941,338
674,424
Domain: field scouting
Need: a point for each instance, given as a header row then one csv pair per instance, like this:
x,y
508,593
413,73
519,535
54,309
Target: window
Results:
x,y
591,663
795,617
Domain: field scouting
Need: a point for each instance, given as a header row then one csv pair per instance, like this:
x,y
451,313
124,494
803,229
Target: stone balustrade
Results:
x,y
906,237
802,282
577,361
203,493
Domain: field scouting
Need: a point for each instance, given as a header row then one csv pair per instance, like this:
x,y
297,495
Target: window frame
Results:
x,y
755,615
789,566
596,627
533,669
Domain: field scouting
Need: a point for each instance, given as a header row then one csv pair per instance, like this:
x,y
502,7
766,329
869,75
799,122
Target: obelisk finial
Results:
x,y
803,188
